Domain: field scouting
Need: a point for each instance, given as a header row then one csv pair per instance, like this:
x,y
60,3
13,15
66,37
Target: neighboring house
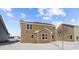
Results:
x,y
4,35
67,32
36,32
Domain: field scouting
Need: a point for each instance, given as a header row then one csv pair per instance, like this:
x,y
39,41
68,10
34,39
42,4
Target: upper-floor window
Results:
x,y
29,26
44,36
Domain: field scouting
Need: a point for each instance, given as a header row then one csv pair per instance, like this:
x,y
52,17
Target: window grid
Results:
x,y
29,26
44,36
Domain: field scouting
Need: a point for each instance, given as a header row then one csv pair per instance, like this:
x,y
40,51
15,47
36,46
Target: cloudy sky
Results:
x,y
11,16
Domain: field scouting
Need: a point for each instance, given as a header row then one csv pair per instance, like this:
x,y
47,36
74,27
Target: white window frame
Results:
x,y
45,36
29,26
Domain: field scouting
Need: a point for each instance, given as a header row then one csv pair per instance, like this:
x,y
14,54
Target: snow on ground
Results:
x,y
44,46
29,46
68,45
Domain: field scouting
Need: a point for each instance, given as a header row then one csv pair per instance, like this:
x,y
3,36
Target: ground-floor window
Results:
x,y
77,38
52,36
32,36
70,36
44,36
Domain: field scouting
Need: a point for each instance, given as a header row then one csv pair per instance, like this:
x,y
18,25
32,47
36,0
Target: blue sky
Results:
x,y
11,16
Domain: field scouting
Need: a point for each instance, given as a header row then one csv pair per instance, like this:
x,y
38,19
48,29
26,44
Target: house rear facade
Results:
x,y
4,35
67,32
36,32
76,33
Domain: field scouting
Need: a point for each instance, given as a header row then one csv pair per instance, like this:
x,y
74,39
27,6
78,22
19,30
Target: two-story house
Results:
x,y
67,32
36,32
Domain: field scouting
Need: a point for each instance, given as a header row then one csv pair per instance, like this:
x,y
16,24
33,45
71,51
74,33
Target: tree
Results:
x,y
62,30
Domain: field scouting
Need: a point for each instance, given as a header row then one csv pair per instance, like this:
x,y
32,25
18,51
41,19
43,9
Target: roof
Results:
x,y
23,21
68,25
40,23
37,31
3,24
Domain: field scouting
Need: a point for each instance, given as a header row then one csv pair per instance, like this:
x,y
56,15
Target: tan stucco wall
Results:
x,y
26,33
66,35
76,32
40,40
37,27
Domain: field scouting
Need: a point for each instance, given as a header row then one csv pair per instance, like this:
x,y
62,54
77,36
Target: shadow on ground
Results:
x,y
8,42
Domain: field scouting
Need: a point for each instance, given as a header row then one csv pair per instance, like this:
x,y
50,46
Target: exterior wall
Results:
x,y
40,40
35,39
50,27
76,33
3,35
65,33
38,27
26,33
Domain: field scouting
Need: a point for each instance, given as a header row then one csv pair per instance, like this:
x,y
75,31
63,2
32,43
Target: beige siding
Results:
x,y
44,40
26,33
61,33
65,33
76,33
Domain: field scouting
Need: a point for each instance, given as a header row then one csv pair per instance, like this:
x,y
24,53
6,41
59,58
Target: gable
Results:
x,y
41,30
3,25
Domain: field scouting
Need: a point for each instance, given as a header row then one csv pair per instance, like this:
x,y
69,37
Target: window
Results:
x,y
52,37
53,28
32,36
77,37
29,26
70,36
45,36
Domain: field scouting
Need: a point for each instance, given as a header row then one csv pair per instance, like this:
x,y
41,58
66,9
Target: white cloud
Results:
x,y
23,15
9,14
57,12
46,18
41,11
72,20
6,9
50,12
